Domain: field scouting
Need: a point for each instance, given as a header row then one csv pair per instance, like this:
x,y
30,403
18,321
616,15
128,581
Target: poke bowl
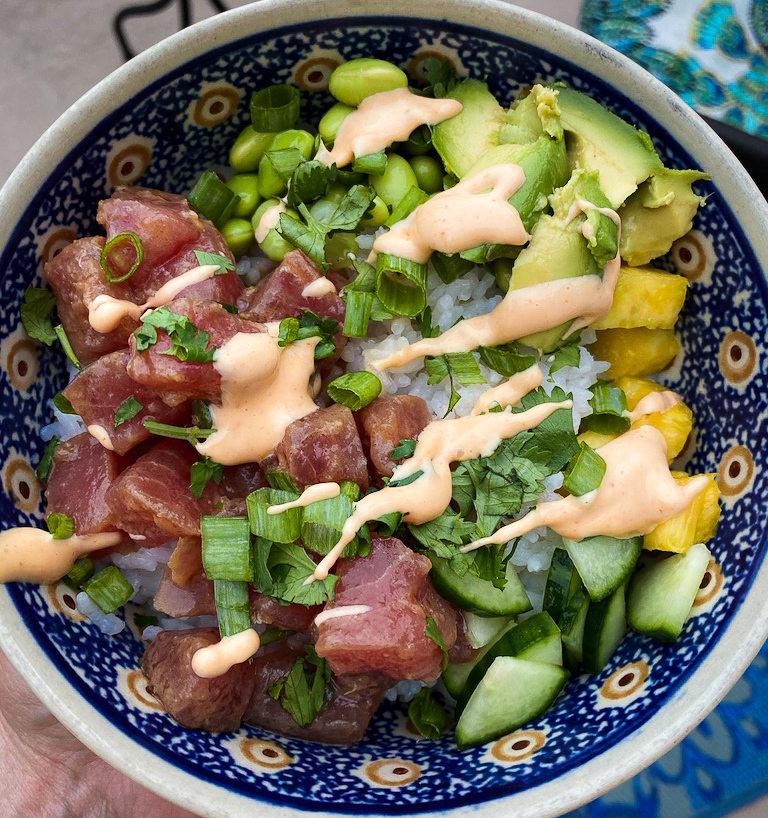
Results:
x,y
175,111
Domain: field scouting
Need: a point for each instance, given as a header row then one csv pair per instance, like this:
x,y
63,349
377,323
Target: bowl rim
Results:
x,y
748,625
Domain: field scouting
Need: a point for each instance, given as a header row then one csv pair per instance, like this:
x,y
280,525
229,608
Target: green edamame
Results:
x,y
247,150
273,245
246,185
355,80
331,122
271,183
378,215
238,234
429,172
418,143
395,182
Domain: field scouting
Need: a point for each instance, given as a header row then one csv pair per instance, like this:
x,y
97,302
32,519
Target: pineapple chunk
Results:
x,y
645,297
636,389
696,524
638,351
595,439
675,424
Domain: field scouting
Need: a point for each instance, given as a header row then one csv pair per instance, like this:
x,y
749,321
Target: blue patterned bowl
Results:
x,y
173,111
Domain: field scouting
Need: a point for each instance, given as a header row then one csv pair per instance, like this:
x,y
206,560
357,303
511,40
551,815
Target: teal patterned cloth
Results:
x,y
713,53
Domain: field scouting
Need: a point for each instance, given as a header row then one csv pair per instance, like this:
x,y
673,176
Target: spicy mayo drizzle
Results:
x,y
341,611
654,402
105,312
464,216
508,392
441,443
382,119
264,388
319,287
581,299
33,555
637,493
311,494
216,660
269,219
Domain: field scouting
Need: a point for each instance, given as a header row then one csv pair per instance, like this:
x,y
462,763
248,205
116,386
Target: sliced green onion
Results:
x,y
450,266
63,404
374,164
79,574
273,634
355,389
188,433
609,411
358,313
212,199
387,524
323,522
412,199
233,606
464,368
288,332
61,526
282,481
113,257
275,108
227,550
401,284
43,470
584,472
66,346
506,359
128,409
284,527
109,589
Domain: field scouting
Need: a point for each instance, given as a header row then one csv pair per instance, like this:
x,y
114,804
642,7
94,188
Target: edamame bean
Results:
x,y
331,122
238,234
378,215
429,172
246,185
270,181
247,150
419,142
274,246
395,182
355,80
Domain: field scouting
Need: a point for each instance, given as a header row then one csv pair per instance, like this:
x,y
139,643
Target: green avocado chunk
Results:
x,y
598,140
658,213
537,114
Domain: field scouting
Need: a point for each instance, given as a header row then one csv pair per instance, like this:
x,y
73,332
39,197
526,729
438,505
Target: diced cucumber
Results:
x,y
604,563
482,630
455,676
479,595
535,639
511,693
572,624
562,582
661,594
604,628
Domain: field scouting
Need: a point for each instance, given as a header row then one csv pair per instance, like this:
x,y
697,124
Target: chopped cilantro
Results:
x,y
128,409
405,448
427,715
36,311
309,182
188,343
203,471
204,257
281,570
433,632
63,404
305,690
309,325
441,76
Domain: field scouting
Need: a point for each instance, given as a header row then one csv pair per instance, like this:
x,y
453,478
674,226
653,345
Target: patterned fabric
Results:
x,y
713,53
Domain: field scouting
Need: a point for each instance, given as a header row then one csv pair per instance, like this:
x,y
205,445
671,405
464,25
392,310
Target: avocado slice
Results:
x,y
464,138
537,114
598,140
545,166
658,213
558,249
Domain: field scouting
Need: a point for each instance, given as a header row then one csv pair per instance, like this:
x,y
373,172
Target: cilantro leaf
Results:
x,y
309,182
305,690
489,564
427,715
457,366
203,471
433,632
128,409
506,359
441,76
36,311
63,404
351,208
405,448
282,571
443,536
405,481
566,355
188,343
204,257
309,325
305,237
284,161
553,442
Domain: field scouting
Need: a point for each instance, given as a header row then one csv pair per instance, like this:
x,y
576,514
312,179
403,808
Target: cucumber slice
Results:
x,y
572,624
562,582
482,630
535,639
455,676
479,595
511,693
604,563
661,594
604,628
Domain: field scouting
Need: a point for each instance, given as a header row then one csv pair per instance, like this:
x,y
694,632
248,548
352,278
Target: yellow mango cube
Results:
x,y
696,524
595,439
635,352
675,424
636,389
645,297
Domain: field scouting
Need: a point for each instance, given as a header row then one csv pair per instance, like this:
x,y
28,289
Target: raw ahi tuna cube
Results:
x,y
385,422
100,390
342,721
391,638
195,598
266,611
324,447
216,705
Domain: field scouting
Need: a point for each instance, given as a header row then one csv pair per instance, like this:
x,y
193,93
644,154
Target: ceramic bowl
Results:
x,y
173,111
